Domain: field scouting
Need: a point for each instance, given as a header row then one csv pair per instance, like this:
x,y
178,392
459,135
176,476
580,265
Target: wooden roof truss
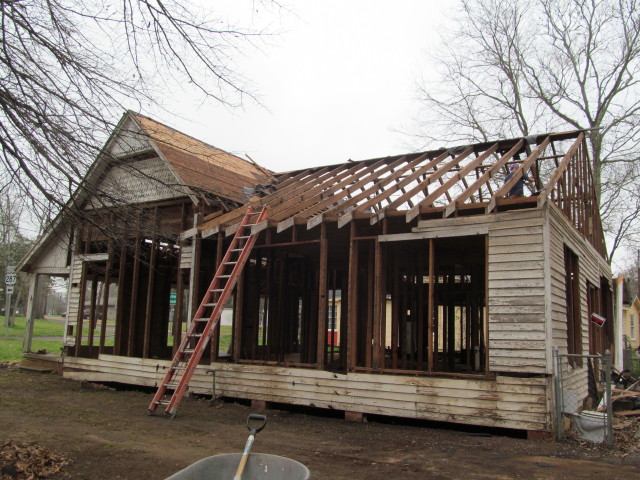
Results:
x,y
441,183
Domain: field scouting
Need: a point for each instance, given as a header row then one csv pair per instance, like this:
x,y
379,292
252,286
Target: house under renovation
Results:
x,y
410,286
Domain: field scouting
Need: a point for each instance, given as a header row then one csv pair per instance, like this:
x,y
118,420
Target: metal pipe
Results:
x,y
607,393
575,355
558,394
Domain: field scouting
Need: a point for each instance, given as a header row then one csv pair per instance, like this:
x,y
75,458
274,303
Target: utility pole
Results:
x,y
9,281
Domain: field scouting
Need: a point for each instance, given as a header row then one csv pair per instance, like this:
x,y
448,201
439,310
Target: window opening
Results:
x,y
572,294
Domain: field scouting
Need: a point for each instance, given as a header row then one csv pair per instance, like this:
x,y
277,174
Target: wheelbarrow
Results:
x,y
243,466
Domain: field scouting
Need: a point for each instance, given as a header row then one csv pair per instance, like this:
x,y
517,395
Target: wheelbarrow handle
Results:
x,y
252,435
256,427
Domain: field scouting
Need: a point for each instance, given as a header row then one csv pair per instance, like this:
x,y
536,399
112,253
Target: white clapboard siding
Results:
x,y
186,256
73,307
516,293
130,140
591,267
130,183
111,368
517,308
505,401
53,259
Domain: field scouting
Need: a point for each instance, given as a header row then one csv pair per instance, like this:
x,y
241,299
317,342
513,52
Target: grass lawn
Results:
x,y
11,346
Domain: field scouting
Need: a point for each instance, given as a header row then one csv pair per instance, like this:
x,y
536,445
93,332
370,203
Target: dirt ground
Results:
x,y
106,433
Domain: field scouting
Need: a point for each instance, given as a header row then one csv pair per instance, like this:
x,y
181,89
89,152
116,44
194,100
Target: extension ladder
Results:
x,y
207,316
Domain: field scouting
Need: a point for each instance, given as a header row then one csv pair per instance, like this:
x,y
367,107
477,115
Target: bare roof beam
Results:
x,y
317,219
374,200
485,177
525,166
444,188
560,170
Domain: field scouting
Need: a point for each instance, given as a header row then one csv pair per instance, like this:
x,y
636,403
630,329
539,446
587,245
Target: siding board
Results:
x,y
503,401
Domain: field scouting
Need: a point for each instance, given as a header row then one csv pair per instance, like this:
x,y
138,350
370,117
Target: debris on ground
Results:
x,y
10,365
28,461
626,435
626,438
94,386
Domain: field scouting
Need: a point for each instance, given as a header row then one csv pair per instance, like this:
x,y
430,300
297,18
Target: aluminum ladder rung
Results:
x,y
189,353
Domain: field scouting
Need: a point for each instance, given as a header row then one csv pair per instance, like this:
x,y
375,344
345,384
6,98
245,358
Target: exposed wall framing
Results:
x,y
407,285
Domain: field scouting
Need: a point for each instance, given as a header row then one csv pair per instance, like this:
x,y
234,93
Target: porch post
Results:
x,y
28,329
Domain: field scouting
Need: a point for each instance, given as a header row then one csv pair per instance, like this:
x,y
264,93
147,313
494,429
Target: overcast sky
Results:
x,y
337,83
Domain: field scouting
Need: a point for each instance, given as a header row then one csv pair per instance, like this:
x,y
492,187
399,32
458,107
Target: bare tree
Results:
x,y
70,67
13,245
512,68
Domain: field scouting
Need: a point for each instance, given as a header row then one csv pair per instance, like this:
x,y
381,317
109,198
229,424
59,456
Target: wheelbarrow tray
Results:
x,y
260,466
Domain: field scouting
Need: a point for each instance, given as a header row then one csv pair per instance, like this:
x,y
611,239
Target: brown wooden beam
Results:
x,y
352,310
92,307
322,298
80,316
525,166
236,338
379,300
431,306
150,286
122,291
483,179
134,296
359,184
215,336
381,182
105,296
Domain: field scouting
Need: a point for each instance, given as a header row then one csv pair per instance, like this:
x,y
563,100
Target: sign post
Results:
x,y
9,281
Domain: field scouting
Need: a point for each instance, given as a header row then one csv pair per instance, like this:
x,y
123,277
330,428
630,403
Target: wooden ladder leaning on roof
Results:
x,y
207,316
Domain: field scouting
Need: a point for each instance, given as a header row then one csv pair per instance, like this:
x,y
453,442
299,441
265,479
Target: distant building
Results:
x,y
631,321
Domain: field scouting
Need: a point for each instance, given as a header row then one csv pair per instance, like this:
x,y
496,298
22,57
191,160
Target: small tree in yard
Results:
x,y
69,68
515,68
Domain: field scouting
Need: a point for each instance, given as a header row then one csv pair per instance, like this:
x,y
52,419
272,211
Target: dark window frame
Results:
x,y
573,305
